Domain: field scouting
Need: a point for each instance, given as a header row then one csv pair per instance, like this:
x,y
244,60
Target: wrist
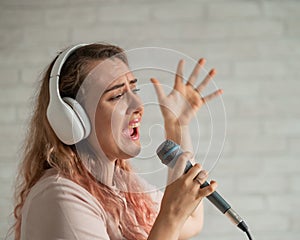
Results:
x,y
176,131
166,226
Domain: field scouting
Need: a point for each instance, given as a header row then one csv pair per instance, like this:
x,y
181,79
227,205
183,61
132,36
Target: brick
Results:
x,y
31,75
10,148
10,37
231,50
12,131
21,17
282,127
44,36
293,65
232,10
8,114
260,68
24,57
35,4
262,184
24,113
293,144
181,31
8,171
275,223
226,184
295,183
295,226
241,87
128,13
287,164
287,204
248,204
259,145
270,235
219,223
268,109
289,9
16,94
170,12
279,90
72,16
10,76
282,47
239,165
238,128
292,28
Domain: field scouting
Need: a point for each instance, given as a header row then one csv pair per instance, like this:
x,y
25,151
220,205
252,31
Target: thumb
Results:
x,y
158,88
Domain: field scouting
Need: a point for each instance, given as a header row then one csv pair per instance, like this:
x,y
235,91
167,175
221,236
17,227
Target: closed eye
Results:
x,y
135,90
119,96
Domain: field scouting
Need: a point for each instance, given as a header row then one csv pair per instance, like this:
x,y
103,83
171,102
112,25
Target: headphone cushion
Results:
x,y
80,113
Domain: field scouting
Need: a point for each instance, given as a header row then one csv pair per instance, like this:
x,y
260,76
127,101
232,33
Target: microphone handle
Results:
x,y
219,202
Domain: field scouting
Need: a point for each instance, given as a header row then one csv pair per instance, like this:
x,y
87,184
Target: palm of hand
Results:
x,y
183,102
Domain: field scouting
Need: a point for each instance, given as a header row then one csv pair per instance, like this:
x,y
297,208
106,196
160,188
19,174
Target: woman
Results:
x,y
88,190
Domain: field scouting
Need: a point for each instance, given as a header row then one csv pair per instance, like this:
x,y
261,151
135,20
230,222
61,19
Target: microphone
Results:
x,y
168,152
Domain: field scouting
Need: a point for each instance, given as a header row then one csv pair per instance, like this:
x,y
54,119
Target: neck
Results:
x,y
104,171
100,166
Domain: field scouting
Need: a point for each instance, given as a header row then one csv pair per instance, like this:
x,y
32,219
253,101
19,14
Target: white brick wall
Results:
x,y
255,46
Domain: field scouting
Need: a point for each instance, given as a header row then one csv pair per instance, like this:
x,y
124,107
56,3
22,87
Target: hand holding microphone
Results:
x,y
180,200
183,195
169,152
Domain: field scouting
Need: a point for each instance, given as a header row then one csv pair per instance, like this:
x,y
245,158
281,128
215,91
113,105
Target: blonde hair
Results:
x,y
43,150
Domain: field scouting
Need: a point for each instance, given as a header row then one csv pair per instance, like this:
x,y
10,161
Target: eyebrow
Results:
x,y
120,85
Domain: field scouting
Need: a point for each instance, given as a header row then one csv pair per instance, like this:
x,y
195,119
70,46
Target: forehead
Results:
x,y
108,72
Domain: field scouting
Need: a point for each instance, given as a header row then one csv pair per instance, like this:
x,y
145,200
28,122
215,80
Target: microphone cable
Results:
x,y
243,226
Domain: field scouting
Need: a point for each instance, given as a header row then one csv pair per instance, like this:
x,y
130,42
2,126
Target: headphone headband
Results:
x,y
55,71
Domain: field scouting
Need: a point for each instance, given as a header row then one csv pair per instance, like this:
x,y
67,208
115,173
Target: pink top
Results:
x,y
57,208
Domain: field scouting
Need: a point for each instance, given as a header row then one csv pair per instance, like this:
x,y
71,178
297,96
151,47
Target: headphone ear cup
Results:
x,y
81,114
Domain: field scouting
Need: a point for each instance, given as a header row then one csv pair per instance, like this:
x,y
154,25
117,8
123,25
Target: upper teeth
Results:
x,y
134,125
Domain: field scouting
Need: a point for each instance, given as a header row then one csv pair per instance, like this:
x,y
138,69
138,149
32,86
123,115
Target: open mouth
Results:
x,y
134,129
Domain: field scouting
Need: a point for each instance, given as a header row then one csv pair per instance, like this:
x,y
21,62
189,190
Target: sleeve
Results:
x,y
65,211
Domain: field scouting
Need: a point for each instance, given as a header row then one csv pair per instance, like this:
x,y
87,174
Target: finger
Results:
x,y
193,172
212,95
206,80
179,75
195,72
201,177
180,164
206,191
158,88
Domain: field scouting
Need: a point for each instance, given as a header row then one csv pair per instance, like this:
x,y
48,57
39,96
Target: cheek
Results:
x,y
102,122
109,122
118,114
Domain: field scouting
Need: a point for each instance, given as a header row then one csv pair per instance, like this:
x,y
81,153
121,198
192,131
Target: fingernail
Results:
x,y
212,72
201,61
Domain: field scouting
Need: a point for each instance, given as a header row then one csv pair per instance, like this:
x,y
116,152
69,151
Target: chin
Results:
x,y
130,150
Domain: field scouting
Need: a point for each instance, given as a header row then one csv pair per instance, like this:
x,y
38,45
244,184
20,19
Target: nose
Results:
x,y
135,104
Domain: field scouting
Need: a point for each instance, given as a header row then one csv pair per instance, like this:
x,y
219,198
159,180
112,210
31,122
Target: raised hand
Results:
x,y
182,103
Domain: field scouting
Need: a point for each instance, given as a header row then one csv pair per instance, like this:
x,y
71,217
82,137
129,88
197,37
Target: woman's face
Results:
x,y
118,113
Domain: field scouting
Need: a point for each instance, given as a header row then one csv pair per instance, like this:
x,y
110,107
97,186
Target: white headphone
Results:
x,y
66,116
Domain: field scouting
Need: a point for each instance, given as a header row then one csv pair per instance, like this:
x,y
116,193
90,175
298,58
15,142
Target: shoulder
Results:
x,y
60,208
54,189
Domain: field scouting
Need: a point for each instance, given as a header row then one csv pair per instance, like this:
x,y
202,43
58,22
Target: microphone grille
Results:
x,y
168,151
